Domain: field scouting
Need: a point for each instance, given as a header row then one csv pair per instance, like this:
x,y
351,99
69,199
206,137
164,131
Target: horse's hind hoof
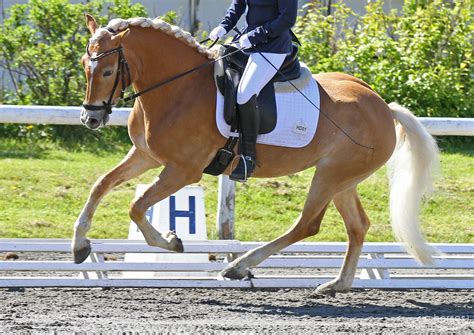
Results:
x,y
231,272
332,287
80,255
327,293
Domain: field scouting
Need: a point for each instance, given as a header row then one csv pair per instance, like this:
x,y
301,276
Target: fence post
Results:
x,y
225,208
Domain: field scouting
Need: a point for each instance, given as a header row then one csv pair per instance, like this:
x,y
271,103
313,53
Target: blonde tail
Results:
x,y
410,174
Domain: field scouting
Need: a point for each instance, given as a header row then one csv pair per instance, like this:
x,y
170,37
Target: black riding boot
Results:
x,y
249,117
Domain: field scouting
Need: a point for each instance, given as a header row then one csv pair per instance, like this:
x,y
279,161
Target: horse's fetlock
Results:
x,y
81,226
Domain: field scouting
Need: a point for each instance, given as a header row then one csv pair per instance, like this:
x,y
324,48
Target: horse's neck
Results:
x,y
186,103
162,57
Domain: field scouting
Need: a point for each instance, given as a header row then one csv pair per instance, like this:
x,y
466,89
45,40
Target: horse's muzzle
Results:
x,y
94,119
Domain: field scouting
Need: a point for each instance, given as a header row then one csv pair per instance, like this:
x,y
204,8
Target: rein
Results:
x,y
123,67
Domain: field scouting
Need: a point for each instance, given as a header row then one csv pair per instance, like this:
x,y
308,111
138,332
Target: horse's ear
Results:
x,y
120,36
91,23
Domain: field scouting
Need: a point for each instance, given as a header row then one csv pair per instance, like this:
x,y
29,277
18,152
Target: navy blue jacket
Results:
x,y
269,22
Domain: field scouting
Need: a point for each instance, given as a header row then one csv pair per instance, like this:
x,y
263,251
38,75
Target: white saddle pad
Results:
x,y
297,118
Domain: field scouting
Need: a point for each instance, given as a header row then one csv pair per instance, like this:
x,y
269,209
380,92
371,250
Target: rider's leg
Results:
x,y
257,74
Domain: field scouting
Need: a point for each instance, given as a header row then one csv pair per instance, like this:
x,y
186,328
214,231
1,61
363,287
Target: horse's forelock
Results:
x,y
99,33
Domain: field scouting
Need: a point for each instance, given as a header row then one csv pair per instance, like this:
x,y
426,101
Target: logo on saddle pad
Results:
x,y
300,128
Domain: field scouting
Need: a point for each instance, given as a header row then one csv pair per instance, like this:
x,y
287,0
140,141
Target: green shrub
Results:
x,y
42,43
421,58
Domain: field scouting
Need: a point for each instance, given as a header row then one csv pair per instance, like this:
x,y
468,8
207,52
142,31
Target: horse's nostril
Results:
x,y
93,123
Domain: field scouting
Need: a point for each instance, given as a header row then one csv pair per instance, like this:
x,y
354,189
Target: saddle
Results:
x,y
227,74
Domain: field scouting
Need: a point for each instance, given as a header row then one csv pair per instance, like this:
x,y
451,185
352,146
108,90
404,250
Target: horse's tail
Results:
x,y
410,174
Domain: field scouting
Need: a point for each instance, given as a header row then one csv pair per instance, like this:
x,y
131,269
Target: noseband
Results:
x,y
122,71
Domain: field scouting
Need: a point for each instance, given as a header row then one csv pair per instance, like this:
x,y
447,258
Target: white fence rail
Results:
x,y
54,115
70,116
376,261
382,265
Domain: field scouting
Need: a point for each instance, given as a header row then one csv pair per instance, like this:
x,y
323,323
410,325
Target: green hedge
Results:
x,y
421,57
41,44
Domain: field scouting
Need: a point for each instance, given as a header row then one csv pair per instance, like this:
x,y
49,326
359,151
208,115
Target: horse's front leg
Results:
x,y
171,180
134,164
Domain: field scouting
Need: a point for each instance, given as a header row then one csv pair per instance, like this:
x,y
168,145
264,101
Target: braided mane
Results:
x,y
158,24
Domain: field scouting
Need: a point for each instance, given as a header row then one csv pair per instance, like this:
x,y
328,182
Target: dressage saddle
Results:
x,y
227,74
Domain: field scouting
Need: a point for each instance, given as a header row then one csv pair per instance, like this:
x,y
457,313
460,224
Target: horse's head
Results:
x,y
106,72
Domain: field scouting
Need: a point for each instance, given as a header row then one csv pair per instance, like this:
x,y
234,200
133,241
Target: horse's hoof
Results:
x,y
331,288
179,246
326,292
81,254
175,243
232,272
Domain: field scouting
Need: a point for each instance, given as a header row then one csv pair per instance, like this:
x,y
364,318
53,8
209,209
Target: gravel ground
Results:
x,y
234,311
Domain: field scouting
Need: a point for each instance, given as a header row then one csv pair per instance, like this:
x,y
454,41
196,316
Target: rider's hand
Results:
x,y
217,33
245,42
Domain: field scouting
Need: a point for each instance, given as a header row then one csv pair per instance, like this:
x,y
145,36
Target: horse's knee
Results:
x,y
137,211
108,180
101,186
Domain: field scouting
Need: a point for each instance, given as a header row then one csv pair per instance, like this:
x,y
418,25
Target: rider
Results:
x,y
268,34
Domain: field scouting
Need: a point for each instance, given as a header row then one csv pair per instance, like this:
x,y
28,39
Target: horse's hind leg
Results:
x,y
171,180
357,223
134,164
308,224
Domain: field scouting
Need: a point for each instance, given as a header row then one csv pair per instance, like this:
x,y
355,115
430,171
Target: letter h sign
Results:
x,y
183,212
190,214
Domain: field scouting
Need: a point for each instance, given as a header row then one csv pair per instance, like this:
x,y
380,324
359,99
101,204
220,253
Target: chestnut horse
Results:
x,y
174,127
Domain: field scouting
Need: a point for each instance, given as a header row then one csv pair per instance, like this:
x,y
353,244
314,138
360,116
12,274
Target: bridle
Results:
x,y
122,71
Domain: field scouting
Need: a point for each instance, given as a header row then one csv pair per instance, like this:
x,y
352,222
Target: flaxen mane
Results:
x,y
158,24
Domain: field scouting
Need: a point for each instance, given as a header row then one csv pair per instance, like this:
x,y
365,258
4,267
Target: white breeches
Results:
x,y
257,74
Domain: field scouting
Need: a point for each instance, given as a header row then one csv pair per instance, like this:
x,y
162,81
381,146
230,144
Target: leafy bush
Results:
x,y
41,44
42,55
421,58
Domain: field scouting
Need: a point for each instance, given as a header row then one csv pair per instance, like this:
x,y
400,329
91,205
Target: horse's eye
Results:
x,y
108,73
